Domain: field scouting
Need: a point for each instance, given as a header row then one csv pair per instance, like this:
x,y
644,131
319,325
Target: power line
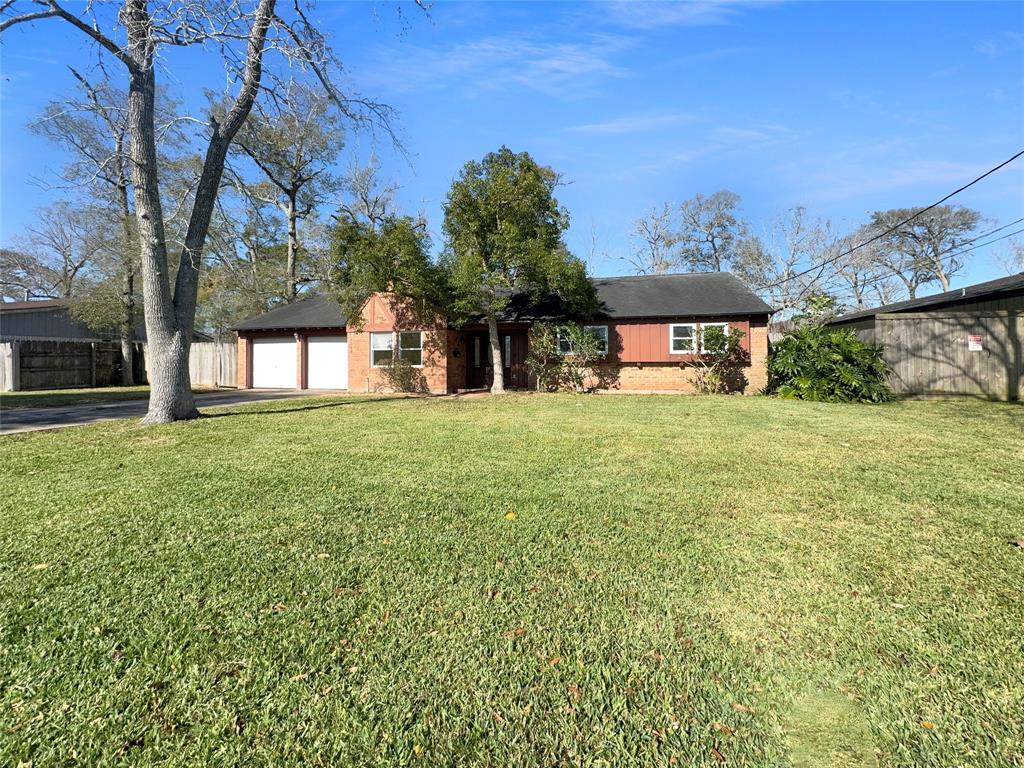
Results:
x,y
952,252
893,228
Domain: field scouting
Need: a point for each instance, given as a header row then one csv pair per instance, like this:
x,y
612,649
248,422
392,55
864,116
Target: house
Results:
x,y
962,342
649,325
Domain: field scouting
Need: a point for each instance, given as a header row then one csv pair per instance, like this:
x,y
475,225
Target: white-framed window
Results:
x,y
723,326
410,347
600,331
382,346
681,338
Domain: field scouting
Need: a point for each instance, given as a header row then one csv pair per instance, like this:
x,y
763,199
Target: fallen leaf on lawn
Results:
x,y
1018,543
717,755
498,718
927,724
534,589
554,661
515,632
40,566
238,725
296,678
574,690
742,708
418,749
280,607
899,606
722,728
511,515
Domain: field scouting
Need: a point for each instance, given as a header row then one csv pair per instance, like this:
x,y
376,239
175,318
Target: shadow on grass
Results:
x,y
245,409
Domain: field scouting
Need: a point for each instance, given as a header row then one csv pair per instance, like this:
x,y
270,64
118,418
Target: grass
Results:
x,y
529,581
50,398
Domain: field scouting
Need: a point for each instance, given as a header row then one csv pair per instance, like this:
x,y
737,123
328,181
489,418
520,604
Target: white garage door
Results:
x,y
327,362
274,364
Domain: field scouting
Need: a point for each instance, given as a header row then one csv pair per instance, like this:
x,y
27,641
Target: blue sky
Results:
x,y
841,107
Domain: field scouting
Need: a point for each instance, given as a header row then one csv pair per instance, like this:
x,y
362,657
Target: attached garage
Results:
x,y
303,345
275,363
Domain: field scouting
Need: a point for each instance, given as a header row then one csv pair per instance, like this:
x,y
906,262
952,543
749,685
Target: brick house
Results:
x,y
649,324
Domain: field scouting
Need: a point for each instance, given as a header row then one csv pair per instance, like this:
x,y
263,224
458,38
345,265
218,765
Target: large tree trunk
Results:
x,y
498,382
170,320
167,346
293,248
127,286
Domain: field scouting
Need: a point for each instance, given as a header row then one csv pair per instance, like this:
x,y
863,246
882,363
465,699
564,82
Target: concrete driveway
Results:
x,y
29,419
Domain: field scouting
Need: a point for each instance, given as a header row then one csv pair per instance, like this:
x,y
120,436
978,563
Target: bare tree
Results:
x,y
92,126
779,265
653,242
924,250
60,248
1013,260
367,196
293,144
709,231
242,34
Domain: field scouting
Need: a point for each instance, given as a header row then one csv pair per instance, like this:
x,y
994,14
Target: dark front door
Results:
x,y
480,373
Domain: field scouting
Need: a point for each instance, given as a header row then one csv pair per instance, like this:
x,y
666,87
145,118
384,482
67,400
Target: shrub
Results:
x,y
564,357
399,376
719,367
828,365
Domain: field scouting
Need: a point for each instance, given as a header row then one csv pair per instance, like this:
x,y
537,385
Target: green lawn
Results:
x,y
46,398
523,581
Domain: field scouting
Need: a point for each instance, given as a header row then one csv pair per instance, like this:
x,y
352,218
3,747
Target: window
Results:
x,y
723,326
476,351
680,339
381,348
600,331
410,347
508,352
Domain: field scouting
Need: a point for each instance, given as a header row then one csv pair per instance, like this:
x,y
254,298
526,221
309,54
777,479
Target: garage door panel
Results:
x,y
327,362
274,363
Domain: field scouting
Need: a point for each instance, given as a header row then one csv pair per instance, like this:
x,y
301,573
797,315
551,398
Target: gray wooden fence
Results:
x,y
213,364
976,353
28,365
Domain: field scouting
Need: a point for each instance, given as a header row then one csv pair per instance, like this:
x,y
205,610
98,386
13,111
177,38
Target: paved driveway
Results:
x,y
28,419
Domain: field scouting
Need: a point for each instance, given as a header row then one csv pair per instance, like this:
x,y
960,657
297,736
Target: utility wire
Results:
x,y
880,235
952,252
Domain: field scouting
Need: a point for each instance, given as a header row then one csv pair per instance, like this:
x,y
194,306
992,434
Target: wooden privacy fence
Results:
x,y
42,364
974,353
213,364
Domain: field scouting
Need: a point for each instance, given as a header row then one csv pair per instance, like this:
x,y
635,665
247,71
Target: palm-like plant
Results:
x,y
828,365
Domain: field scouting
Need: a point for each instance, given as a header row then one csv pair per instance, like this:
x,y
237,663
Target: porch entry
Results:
x,y
479,371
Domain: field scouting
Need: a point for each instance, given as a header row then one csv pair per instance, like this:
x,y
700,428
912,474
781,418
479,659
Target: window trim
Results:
x,y
693,339
586,328
400,348
391,336
723,326
396,341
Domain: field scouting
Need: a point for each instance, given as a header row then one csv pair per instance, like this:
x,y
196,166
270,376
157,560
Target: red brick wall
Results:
x,y
379,315
243,374
678,376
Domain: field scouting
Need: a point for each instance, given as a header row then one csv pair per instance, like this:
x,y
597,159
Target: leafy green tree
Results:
x,y
830,365
504,236
718,367
392,256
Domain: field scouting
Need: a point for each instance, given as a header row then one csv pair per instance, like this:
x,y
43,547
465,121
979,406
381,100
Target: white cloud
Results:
x,y
639,14
493,63
639,123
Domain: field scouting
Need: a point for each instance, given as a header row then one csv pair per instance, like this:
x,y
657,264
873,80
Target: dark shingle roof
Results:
x,y
314,312
52,320
991,289
693,294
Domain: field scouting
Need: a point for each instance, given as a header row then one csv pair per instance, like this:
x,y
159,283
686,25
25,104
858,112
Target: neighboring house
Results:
x,y
51,320
962,342
649,324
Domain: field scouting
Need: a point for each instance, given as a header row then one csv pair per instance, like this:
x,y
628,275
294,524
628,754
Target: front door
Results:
x,y
479,371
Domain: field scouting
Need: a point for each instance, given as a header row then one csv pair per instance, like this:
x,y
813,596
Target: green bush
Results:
x,y
828,365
